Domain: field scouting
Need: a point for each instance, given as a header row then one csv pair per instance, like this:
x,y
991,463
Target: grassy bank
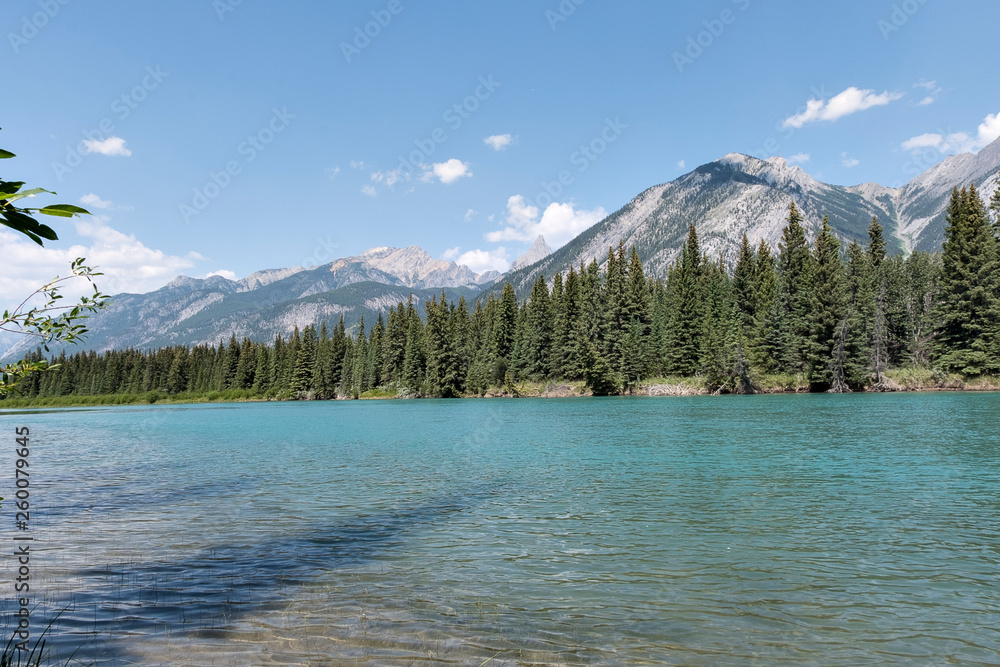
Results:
x,y
899,379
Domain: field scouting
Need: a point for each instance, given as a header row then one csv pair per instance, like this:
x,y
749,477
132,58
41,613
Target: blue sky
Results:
x,y
235,135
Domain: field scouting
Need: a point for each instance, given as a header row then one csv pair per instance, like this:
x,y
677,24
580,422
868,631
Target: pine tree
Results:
x,y
637,355
506,323
762,343
177,376
537,332
394,344
686,286
793,294
969,310
865,334
414,358
597,373
828,315
876,244
246,365
305,359
262,370
744,285
995,207
232,360
573,317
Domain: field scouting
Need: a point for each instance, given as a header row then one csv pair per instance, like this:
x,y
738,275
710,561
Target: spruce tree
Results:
x,y
995,207
637,361
177,376
762,343
506,323
597,373
793,294
537,332
969,310
744,285
232,360
414,358
686,286
572,313
828,314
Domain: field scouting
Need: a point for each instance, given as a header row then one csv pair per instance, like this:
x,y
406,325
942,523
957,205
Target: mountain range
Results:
x,y
739,194
724,199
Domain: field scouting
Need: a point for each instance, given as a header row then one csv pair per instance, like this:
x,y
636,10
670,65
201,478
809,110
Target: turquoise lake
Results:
x,y
767,530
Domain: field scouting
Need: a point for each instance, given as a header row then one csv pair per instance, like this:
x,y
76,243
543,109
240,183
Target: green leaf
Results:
x,y
27,193
28,226
6,154
64,210
9,188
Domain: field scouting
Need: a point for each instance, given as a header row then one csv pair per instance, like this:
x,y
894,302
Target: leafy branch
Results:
x,y
51,321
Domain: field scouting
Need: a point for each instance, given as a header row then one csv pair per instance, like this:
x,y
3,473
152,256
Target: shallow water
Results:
x,y
827,530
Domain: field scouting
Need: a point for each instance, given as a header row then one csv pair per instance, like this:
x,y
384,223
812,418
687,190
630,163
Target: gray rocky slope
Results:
x,y
724,199
739,194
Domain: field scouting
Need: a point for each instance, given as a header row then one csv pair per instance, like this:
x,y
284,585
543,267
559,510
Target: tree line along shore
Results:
x,y
806,318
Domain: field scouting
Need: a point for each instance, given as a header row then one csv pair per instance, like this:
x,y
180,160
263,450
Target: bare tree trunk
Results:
x,y
879,344
839,384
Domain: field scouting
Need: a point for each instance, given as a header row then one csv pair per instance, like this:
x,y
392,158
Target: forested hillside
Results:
x,y
839,317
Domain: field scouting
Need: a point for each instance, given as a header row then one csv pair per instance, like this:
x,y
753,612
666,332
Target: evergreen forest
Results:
x,y
839,318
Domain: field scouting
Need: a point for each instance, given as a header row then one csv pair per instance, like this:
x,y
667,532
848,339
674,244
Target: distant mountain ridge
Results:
x,y
724,199
192,311
740,194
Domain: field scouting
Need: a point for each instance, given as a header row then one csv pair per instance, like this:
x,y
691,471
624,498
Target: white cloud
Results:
x,y
390,178
470,214
932,91
109,146
957,142
333,171
447,172
357,164
94,201
128,265
225,273
923,141
451,253
498,142
799,158
480,261
369,191
559,223
850,161
681,164
843,104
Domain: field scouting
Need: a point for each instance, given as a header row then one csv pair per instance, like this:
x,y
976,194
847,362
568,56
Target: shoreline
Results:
x,y
898,381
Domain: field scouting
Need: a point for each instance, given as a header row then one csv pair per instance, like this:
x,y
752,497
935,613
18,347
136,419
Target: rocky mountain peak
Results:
x,y
539,250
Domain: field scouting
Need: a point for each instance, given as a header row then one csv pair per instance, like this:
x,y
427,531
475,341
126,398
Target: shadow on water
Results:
x,y
111,607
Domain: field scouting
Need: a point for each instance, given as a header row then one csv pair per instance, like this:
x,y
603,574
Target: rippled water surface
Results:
x,y
827,530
